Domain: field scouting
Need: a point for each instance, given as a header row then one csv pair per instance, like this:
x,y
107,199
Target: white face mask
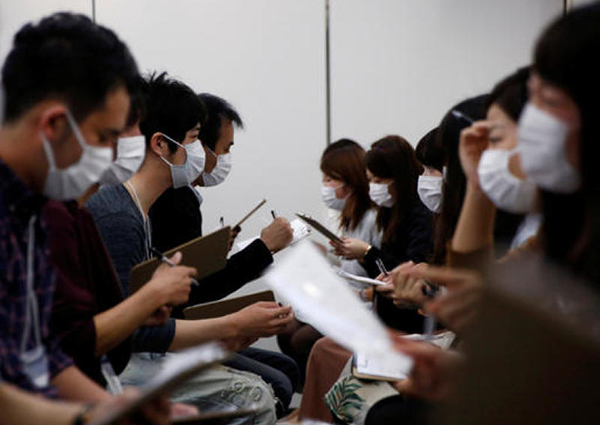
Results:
x,y
186,173
330,200
542,145
429,189
73,181
130,155
380,194
220,172
506,191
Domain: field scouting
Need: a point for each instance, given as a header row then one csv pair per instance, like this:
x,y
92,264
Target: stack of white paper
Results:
x,y
305,280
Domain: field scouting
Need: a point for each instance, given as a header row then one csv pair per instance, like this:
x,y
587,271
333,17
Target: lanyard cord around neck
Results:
x,y
31,309
145,219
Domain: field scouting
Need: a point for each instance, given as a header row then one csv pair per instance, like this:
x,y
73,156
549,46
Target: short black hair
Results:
x,y
217,109
170,107
137,108
511,94
429,152
67,57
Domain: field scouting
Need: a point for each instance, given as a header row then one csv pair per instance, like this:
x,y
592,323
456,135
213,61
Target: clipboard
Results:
x,y
223,308
175,372
247,216
320,228
208,254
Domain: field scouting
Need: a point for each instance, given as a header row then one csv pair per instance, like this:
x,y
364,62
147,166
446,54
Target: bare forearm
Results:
x,y
19,407
114,325
475,228
73,385
193,332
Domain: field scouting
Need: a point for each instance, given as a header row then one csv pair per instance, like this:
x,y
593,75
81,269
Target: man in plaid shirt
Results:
x,y
67,86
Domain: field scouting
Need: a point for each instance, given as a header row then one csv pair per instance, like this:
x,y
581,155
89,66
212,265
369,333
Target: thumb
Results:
x,y
176,258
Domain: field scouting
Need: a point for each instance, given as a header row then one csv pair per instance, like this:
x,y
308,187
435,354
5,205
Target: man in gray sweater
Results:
x,y
174,158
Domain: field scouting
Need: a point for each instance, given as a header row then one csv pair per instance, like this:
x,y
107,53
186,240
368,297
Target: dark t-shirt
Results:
x,y
176,219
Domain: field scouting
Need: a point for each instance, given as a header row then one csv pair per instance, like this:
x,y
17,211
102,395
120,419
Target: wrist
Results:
x,y
267,243
152,296
230,326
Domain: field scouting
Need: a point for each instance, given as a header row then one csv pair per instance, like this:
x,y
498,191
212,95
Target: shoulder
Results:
x,y
420,212
109,200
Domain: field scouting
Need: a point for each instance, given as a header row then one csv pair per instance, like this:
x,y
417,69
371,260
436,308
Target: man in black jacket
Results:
x,y
176,218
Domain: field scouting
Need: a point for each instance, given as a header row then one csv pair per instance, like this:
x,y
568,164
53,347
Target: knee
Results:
x,y
250,391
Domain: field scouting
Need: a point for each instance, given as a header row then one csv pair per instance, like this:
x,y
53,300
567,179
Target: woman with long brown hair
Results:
x,y
346,190
406,224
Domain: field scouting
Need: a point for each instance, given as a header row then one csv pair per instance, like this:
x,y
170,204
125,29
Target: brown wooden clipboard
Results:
x,y
320,228
225,307
208,254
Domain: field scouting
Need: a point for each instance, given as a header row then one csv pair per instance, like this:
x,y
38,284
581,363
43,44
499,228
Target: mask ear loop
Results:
x,y
179,145
76,131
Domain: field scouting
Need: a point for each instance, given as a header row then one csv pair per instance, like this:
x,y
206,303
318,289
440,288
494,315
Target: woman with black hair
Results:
x,y
558,151
429,186
406,224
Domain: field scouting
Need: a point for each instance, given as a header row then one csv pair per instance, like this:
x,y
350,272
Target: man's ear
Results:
x,y
158,145
53,123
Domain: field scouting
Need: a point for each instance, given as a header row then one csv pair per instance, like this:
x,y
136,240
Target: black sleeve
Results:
x,y
414,243
420,235
241,268
175,218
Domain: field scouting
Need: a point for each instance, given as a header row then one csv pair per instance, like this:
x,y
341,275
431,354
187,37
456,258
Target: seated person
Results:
x,y
176,218
55,141
346,191
405,223
174,157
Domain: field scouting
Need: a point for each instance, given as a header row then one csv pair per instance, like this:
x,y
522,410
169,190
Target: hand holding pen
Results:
x,y
170,263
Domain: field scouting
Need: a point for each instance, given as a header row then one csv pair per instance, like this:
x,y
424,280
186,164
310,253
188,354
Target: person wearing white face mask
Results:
x,y
346,191
430,183
67,91
176,218
492,166
405,223
121,214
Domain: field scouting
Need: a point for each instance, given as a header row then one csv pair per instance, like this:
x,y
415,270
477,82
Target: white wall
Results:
x,y
15,13
266,57
397,66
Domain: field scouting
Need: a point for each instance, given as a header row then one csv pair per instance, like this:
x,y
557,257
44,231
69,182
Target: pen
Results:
x,y
274,214
457,114
165,260
381,267
430,290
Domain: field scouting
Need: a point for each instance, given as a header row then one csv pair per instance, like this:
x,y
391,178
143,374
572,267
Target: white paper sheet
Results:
x,y
305,280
